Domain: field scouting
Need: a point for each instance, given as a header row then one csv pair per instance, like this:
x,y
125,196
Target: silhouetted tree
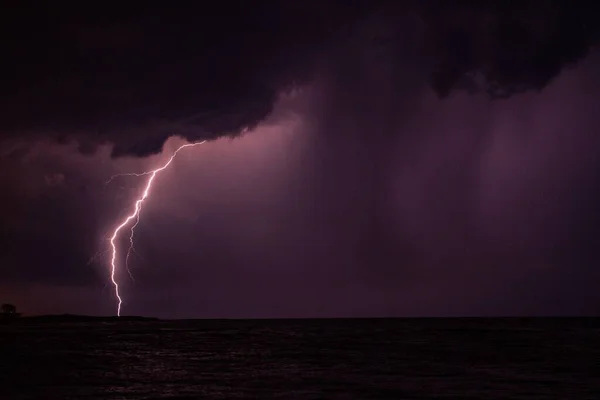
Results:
x,y
8,309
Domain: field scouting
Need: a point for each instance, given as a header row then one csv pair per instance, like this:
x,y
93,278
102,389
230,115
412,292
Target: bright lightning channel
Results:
x,y
135,216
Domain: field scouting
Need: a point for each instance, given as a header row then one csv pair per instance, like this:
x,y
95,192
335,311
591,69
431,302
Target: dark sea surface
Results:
x,y
302,359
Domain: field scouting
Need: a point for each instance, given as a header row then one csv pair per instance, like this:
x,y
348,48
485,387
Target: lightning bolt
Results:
x,y
131,247
112,178
135,216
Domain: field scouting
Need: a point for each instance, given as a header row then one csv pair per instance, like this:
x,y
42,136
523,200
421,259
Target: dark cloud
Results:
x,y
44,243
506,48
55,206
390,180
134,75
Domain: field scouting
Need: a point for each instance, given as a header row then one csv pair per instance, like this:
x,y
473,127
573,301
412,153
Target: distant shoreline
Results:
x,y
76,318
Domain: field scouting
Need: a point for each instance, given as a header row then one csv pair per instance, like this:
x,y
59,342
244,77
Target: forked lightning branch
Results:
x,y
132,221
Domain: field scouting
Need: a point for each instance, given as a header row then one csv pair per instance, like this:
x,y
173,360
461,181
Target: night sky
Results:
x,y
365,159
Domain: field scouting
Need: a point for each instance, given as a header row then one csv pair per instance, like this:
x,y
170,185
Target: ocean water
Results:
x,y
302,359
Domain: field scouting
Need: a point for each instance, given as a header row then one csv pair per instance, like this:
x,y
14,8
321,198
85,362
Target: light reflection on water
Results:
x,y
301,359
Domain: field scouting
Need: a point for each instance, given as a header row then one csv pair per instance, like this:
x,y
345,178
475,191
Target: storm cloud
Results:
x,y
396,159
135,75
